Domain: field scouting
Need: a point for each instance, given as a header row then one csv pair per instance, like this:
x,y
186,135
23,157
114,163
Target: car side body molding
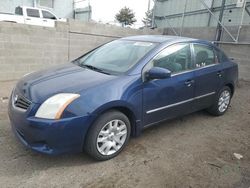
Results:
x,y
179,103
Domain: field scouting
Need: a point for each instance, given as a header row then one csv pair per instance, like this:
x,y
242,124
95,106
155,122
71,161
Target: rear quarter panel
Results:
x,y
230,73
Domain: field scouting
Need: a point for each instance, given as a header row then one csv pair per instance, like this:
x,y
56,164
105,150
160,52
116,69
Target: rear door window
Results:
x,y
204,56
33,13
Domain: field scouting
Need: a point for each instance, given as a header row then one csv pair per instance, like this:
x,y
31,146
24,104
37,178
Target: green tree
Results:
x,y
125,16
147,20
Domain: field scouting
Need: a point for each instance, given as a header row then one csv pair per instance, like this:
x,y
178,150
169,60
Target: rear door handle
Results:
x,y
28,19
189,83
219,73
45,20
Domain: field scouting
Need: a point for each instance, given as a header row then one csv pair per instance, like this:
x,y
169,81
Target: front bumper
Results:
x,y
49,136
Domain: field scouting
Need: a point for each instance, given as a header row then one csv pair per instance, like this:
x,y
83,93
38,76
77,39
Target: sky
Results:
x,y
105,10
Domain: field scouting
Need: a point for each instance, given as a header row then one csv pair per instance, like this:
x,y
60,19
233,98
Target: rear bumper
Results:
x,y
49,136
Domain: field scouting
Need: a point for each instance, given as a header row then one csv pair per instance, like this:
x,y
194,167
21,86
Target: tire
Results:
x,y
108,135
223,98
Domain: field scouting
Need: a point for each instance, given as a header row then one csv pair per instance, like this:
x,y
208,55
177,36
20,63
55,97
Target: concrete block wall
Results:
x,y
208,33
26,48
241,55
86,36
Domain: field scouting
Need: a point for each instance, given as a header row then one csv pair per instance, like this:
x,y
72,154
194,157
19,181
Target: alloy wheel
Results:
x,y
224,101
111,137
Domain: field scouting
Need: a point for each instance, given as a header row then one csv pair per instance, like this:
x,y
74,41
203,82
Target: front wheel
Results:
x,y
108,135
222,102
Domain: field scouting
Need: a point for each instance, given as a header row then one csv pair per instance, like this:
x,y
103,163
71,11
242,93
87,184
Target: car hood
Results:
x,y
67,78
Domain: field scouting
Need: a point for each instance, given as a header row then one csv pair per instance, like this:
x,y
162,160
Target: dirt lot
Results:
x,y
192,151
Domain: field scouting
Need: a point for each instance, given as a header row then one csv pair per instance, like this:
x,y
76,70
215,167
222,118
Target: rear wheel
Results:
x,y
222,102
108,135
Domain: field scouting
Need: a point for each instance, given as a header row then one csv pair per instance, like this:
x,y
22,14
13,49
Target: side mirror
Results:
x,y
157,73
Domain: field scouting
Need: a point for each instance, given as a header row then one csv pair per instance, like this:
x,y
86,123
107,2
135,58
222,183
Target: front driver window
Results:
x,y
48,15
176,58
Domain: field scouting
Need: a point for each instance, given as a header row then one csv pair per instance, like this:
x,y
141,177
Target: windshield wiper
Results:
x,y
95,69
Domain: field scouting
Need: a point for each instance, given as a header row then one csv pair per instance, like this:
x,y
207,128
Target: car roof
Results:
x,y
158,38
38,8
28,7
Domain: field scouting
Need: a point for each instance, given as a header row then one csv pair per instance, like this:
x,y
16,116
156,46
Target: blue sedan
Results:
x,y
101,99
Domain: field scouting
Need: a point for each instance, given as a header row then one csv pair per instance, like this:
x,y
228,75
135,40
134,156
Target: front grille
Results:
x,y
21,102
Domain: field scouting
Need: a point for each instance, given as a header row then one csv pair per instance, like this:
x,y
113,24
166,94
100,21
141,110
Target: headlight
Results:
x,y
54,106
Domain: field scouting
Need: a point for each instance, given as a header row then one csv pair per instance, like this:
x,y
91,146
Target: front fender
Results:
x,y
125,93
118,105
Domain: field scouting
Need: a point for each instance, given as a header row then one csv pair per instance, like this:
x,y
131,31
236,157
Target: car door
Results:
x,y
208,75
170,97
48,18
33,17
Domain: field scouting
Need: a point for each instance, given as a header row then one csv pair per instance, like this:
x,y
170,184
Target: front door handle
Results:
x,y
189,83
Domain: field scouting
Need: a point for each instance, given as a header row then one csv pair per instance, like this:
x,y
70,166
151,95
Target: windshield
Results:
x,y
115,57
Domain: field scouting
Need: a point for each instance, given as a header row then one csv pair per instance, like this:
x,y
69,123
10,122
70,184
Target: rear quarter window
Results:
x,y
19,11
222,57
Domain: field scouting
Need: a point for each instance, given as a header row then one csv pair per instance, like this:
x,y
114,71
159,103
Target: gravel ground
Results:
x,y
196,150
